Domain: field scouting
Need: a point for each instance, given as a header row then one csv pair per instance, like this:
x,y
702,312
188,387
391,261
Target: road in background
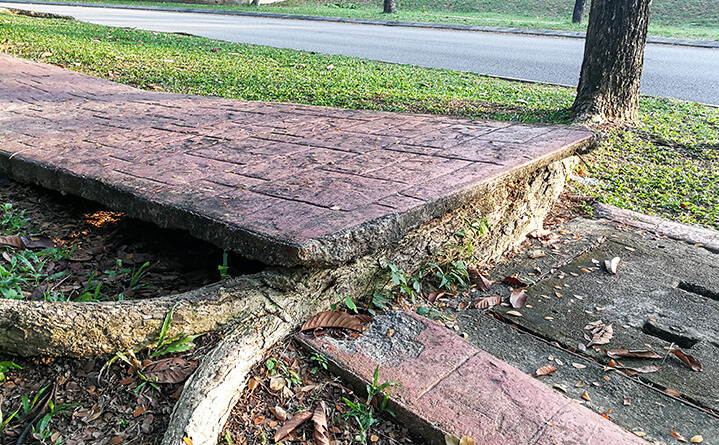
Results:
x,y
682,72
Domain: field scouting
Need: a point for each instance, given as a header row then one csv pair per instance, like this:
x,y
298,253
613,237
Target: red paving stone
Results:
x,y
281,183
451,387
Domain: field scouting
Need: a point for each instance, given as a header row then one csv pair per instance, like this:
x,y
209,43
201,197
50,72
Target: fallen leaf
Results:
x,y
672,392
688,360
601,334
484,303
116,440
187,440
641,370
169,370
373,438
434,295
279,413
612,265
466,440
627,402
560,387
585,396
477,278
12,241
678,436
514,313
333,319
518,298
38,242
277,383
451,439
253,383
258,420
640,433
696,439
126,381
534,254
292,424
579,365
624,352
139,410
513,281
545,370
319,418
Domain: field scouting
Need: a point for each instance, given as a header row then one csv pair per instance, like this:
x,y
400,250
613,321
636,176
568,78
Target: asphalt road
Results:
x,y
682,72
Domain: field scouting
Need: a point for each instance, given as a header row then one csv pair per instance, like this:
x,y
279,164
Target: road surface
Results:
x,y
682,72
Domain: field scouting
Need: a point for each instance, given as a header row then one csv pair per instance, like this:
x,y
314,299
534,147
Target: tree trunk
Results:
x,y
608,88
390,6
578,14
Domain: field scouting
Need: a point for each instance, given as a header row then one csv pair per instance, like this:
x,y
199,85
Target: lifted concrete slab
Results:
x,y
281,183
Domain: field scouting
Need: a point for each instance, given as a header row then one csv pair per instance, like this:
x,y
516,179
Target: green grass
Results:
x,y
694,19
666,166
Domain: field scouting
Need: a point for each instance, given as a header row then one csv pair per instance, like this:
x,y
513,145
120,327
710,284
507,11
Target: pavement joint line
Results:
x,y
399,23
442,378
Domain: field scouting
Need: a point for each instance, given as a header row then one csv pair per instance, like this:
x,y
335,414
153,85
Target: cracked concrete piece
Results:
x,y
664,292
281,183
453,387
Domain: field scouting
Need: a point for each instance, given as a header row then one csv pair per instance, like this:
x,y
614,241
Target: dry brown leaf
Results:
x,y
363,318
319,418
253,383
38,242
627,402
678,436
696,439
514,282
672,392
514,313
601,334
641,370
13,241
486,302
687,359
477,278
624,352
374,438
277,383
451,439
333,319
434,295
279,413
258,420
518,298
169,370
139,410
585,396
292,424
187,440
466,440
545,370
116,440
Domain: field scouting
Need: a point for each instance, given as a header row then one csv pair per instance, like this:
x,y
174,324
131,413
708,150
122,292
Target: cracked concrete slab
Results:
x,y
281,183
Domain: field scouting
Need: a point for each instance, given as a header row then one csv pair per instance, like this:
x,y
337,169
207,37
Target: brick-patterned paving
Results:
x,y
277,178
449,386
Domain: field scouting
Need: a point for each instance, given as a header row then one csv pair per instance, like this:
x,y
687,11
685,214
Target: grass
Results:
x,y
667,165
694,19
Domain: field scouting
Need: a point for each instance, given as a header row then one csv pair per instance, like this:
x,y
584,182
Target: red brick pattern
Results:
x,y
292,174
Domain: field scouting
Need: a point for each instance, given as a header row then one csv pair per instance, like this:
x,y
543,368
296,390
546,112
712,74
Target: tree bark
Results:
x,y
390,6
578,14
609,81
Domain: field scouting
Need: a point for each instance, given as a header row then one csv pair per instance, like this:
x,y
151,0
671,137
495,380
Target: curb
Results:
x,y
697,235
450,387
448,26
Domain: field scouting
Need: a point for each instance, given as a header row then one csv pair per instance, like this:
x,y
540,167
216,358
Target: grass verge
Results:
x,y
667,165
688,19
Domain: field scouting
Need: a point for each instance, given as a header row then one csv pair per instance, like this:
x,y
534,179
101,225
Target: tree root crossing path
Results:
x,y
324,197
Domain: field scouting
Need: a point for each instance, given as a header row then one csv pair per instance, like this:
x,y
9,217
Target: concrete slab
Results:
x,y
451,387
281,183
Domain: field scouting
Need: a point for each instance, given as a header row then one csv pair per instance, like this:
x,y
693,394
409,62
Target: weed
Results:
x,y
222,268
275,367
363,413
321,361
7,366
137,275
454,274
399,279
13,221
378,301
351,305
179,343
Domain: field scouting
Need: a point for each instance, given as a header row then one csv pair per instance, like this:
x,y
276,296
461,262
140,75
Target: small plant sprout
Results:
x,y
351,305
179,343
222,268
321,361
363,413
375,390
